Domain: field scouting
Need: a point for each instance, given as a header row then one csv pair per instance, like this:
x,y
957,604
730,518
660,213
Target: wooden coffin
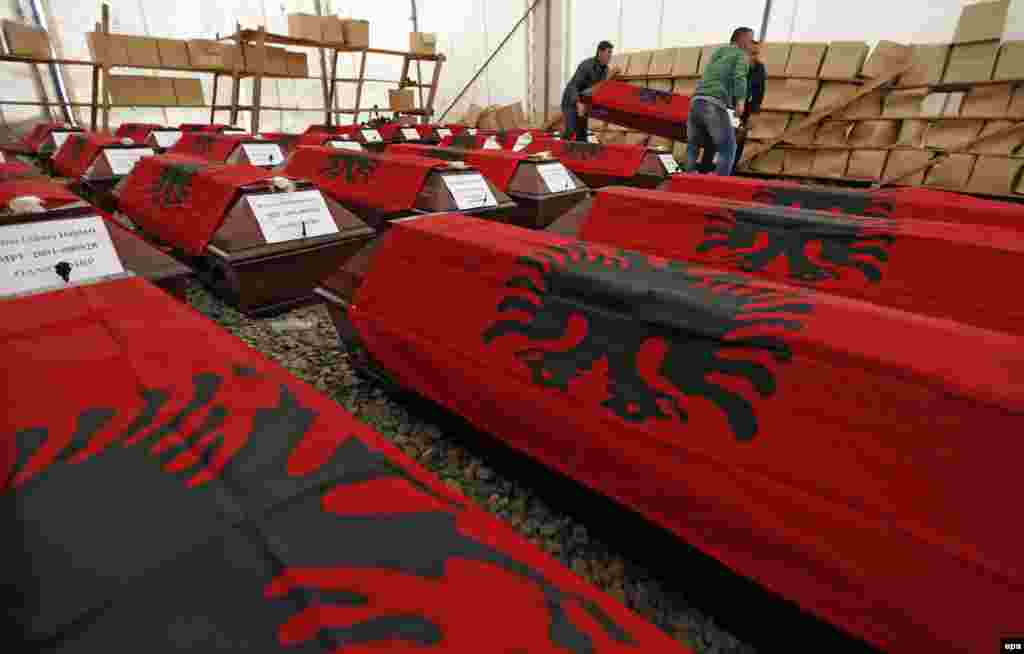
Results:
x,y
112,164
217,128
691,394
379,188
542,188
136,255
600,165
642,109
258,152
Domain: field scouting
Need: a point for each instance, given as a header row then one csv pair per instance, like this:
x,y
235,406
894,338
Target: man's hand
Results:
x,y
581,108
740,106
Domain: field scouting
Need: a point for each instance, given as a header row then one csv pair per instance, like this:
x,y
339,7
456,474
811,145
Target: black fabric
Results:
x,y
757,82
590,72
576,126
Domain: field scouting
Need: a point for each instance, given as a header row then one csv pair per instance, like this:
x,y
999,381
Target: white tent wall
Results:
x,y
24,83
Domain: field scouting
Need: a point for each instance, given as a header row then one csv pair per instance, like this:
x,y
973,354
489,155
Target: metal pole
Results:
x,y
489,59
547,58
419,71
764,19
55,73
661,23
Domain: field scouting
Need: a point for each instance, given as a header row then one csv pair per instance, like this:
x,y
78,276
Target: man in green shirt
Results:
x,y
720,95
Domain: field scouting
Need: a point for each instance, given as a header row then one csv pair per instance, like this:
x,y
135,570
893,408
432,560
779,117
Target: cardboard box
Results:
x,y
472,115
803,137
705,56
912,133
333,30
662,62
973,62
982,21
790,94
933,105
1000,145
274,63
831,93
832,132
864,108
305,26
357,32
952,134
929,63
987,101
951,173
844,60
639,63
141,90
685,62
904,104
619,60
26,41
866,164
775,57
902,161
123,50
886,57
173,53
636,138
874,134
1011,61
403,100
297,64
769,162
208,55
798,162
994,175
188,91
685,86
830,163
1016,109
423,43
489,118
953,104
511,116
805,59
768,125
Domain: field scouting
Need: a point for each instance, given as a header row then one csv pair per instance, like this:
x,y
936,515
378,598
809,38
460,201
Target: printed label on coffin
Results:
x,y
633,305
263,154
357,575
357,169
754,238
345,145
117,162
165,138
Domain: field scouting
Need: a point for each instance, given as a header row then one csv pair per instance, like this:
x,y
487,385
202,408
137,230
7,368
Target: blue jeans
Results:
x,y
576,126
707,126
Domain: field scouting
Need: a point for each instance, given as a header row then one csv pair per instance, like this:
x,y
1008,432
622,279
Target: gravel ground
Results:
x,y
304,341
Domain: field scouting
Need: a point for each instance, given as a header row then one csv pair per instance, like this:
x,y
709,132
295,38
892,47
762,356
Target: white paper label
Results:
x,y
671,166
523,142
410,134
443,132
49,253
234,131
167,139
371,136
123,161
290,216
491,144
471,131
556,177
60,137
2,160
470,191
593,138
346,145
263,154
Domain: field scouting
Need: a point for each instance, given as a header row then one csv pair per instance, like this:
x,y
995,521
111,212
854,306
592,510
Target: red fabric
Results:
x,y
333,503
385,183
887,262
314,138
203,127
78,152
50,192
35,139
215,148
137,132
391,131
912,202
17,170
427,131
464,140
649,110
848,477
498,166
618,160
183,200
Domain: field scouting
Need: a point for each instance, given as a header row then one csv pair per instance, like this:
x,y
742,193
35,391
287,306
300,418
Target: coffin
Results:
x,y
163,140
11,169
218,128
202,497
158,137
381,187
370,138
96,163
76,226
241,233
43,140
472,139
825,447
542,188
231,149
600,165
645,110
136,131
888,262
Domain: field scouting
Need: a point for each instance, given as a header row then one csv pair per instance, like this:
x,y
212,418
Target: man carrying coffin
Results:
x,y
590,72
720,96
756,82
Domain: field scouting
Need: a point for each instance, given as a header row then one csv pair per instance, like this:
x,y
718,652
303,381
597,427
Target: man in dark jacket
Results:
x,y
757,80
589,73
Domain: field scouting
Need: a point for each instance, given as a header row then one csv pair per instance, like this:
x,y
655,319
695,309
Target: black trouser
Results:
x,y
575,125
707,157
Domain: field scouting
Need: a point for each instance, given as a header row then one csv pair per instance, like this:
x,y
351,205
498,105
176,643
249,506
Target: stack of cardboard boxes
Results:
x,y
509,116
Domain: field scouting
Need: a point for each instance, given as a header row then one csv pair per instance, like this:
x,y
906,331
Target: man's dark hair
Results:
x,y
738,32
604,45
